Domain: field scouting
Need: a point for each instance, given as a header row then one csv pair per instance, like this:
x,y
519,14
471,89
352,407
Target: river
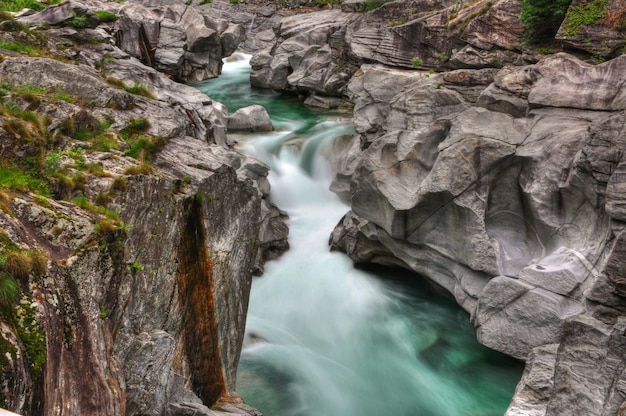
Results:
x,y
326,339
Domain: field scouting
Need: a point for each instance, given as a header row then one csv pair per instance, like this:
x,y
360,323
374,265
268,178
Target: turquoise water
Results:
x,y
326,339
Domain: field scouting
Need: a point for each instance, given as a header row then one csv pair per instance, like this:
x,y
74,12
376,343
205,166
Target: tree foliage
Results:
x,y
542,18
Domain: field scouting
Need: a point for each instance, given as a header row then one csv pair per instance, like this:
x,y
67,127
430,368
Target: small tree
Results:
x,y
542,18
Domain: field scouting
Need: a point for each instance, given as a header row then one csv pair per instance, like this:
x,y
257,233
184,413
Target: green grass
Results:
x,y
142,90
17,5
78,22
15,179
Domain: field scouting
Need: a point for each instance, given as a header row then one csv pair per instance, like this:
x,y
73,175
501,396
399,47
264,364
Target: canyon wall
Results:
x,y
133,260
490,169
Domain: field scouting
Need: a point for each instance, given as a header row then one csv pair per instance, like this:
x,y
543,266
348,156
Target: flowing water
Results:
x,y
326,339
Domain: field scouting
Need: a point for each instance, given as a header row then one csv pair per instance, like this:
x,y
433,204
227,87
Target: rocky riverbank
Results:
x,y
130,228
490,168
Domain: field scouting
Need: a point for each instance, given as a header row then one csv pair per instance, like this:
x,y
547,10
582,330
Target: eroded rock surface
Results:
x,y
143,312
511,204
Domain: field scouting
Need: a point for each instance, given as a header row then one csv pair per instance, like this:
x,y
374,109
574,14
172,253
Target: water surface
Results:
x,y
326,339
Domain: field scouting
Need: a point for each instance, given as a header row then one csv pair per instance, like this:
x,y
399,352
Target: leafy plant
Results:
x,y
416,62
542,18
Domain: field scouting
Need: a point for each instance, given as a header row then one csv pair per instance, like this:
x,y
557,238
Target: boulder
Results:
x,y
302,58
251,118
176,39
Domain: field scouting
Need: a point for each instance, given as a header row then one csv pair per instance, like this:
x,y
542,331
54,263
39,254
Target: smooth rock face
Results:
x,y
251,118
176,39
514,206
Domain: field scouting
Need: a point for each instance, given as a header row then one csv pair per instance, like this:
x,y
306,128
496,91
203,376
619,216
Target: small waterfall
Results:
x,y
324,338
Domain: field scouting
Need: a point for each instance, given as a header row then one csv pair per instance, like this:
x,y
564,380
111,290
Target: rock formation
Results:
x,y
509,205
500,180
132,298
502,186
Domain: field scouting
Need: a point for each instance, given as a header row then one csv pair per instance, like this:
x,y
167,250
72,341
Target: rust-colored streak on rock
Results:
x,y
197,300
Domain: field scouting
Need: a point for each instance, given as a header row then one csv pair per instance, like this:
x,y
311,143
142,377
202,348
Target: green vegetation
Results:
x,y
416,62
583,14
546,51
322,3
142,90
32,336
135,267
104,313
78,22
542,18
9,290
373,4
17,5
105,16
16,179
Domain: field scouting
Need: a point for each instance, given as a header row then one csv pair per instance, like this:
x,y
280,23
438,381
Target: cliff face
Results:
x,y
128,239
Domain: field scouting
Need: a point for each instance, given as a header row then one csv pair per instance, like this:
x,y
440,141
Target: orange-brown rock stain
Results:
x,y
199,325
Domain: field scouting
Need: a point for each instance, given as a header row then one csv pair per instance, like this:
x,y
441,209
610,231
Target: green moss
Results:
x,y
582,15
32,336
105,16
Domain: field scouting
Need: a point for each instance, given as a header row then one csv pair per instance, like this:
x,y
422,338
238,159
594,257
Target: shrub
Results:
x,y
416,62
542,18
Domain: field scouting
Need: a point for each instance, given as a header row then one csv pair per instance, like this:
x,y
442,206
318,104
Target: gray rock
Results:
x,y
564,81
177,39
602,37
251,118
533,390
504,302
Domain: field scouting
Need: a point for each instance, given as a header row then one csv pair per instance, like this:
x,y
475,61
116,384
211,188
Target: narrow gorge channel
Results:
x,y
324,338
